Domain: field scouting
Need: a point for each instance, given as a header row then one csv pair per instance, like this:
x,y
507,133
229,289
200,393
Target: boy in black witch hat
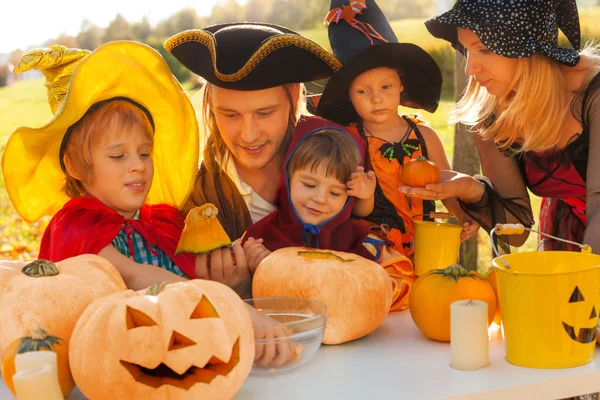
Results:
x,y
378,75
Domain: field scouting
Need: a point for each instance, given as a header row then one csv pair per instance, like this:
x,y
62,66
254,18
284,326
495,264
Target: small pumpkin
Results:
x,y
39,340
187,340
432,293
51,295
419,172
491,278
356,291
203,231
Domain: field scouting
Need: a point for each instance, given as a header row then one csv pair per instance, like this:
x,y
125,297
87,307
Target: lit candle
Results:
x,y
468,334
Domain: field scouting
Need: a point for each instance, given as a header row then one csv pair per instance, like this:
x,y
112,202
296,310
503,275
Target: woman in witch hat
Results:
x,y
535,109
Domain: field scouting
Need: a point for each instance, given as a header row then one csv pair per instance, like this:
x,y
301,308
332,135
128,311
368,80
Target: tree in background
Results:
x,y
226,11
142,30
90,36
118,29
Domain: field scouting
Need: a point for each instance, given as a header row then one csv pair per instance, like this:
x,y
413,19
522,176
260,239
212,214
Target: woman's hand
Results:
x,y
451,184
277,352
255,252
469,229
221,266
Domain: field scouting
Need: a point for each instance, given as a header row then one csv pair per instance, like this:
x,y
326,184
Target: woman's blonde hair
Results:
x,y
534,114
214,146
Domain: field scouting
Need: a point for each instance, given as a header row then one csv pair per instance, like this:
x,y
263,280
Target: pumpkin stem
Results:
x,y
421,157
38,334
40,268
155,289
454,271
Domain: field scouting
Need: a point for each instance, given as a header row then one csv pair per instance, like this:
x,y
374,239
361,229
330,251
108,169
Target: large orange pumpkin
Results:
x,y
187,340
356,291
432,293
491,278
39,340
420,172
52,296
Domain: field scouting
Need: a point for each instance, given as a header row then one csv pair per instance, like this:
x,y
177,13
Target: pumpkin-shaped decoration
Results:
x,y
356,291
432,293
39,340
186,340
419,172
491,278
203,231
49,295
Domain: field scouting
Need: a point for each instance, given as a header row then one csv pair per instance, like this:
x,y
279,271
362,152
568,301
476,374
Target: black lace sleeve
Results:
x,y
505,198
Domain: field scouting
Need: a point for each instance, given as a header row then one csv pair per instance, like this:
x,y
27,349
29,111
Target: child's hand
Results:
x,y
220,266
275,353
361,185
469,230
255,252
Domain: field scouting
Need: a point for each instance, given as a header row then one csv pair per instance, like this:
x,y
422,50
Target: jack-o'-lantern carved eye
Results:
x,y
204,309
136,319
585,334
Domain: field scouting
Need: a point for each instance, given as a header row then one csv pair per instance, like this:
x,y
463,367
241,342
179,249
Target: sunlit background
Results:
x,y
30,24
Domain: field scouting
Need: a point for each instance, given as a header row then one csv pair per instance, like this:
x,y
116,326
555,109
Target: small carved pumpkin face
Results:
x,y
192,340
586,312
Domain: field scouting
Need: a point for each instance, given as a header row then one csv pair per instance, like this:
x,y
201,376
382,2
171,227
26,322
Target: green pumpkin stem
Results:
x,y
40,268
455,271
155,289
38,340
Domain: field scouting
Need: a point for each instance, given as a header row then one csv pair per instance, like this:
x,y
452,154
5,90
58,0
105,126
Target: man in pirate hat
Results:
x,y
251,102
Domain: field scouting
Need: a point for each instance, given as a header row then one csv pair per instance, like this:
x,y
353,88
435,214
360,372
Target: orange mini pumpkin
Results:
x,y
39,340
44,294
432,293
420,172
356,291
186,340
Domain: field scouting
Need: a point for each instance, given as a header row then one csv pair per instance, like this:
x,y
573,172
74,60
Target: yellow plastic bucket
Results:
x,y
436,243
550,303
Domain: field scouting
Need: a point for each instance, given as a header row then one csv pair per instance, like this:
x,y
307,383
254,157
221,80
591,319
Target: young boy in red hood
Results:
x,y
323,172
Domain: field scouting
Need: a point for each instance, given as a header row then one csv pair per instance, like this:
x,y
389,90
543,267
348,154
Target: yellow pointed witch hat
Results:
x,y
30,163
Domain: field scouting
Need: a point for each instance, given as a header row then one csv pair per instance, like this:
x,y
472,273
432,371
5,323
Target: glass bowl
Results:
x,y
305,321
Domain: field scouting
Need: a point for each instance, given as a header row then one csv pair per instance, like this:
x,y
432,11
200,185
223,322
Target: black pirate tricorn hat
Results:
x,y
251,56
362,38
514,28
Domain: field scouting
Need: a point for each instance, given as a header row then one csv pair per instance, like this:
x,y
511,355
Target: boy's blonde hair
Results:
x,y
334,149
117,115
214,146
533,116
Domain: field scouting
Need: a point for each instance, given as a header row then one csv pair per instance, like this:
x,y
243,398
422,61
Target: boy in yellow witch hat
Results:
x,y
124,135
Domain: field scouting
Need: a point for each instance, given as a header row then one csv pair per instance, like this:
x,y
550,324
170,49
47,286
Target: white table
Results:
x,y
398,362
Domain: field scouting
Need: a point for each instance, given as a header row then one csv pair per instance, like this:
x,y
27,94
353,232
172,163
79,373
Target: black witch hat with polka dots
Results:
x,y
514,28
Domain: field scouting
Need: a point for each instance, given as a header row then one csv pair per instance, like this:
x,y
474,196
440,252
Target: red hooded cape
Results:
x,y
282,228
85,226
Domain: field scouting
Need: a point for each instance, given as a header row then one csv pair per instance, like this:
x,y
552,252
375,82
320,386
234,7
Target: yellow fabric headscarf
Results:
x,y
30,163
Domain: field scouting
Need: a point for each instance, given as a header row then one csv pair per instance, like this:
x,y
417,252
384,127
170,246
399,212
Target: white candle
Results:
x,y
38,383
468,334
36,376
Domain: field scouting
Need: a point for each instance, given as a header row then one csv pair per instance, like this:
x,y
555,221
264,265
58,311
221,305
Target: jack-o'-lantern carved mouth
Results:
x,y
585,335
164,375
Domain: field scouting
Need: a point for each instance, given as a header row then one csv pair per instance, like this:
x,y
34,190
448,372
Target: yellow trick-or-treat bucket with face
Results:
x,y
436,243
549,303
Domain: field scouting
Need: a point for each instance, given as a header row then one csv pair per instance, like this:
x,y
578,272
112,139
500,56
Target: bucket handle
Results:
x,y
517,229
440,215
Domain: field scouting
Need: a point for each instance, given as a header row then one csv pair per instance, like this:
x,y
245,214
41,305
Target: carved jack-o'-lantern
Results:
x,y
584,334
188,340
